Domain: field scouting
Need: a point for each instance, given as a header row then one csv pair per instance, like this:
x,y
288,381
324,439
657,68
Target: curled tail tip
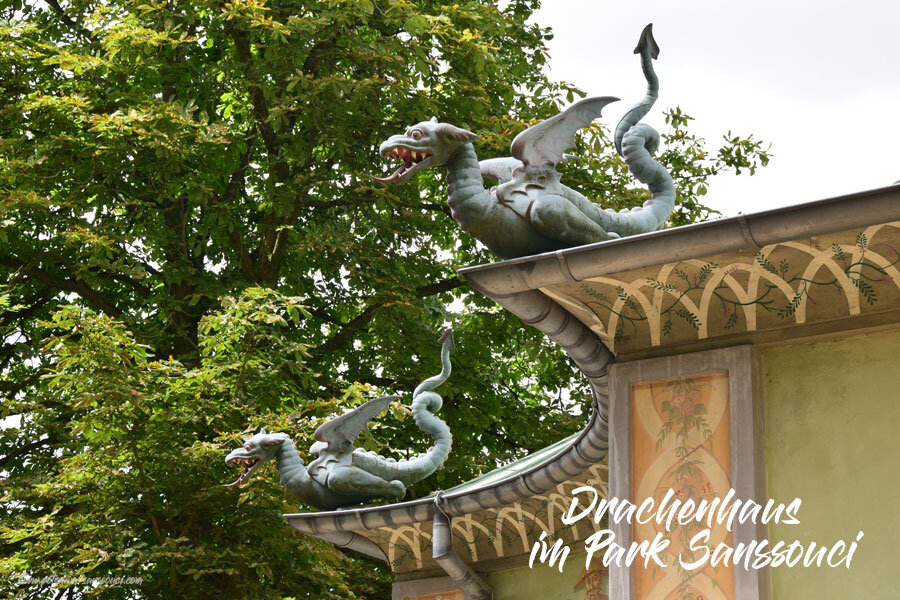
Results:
x,y
647,43
447,338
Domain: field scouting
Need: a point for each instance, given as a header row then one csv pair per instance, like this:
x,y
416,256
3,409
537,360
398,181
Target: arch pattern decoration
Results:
x,y
495,533
825,278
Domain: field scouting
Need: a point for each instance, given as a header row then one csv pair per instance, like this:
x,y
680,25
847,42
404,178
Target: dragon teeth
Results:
x,y
406,154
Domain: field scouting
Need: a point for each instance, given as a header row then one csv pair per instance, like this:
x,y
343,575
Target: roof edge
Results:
x,y
741,233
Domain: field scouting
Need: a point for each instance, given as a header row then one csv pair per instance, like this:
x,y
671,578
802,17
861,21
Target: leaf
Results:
x,y
626,299
667,327
792,306
689,317
838,251
731,321
593,293
659,285
765,264
866,288
416,25
783,267
705,271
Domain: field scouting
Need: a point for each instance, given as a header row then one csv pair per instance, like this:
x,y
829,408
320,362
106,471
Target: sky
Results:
x,y
819,80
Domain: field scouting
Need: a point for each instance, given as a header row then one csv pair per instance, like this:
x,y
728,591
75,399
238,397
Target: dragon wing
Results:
x,y
343,430
542,145
500,169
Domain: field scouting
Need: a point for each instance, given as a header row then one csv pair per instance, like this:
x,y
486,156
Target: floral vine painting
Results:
x,y
681,441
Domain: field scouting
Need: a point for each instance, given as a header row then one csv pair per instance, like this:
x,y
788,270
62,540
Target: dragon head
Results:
x,y
425,144
257,451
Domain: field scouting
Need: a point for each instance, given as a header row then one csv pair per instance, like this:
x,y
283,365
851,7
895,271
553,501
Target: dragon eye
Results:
x,y
248,447
416,134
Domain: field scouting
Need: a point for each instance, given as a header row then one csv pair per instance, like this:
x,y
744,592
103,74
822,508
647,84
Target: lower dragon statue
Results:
x,y
530,211
342,475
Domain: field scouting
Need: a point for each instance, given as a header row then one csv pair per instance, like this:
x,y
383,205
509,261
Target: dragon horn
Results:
x,y
453,133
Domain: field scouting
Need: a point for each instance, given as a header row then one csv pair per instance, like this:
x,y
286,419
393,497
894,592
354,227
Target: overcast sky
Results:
x,y
819,80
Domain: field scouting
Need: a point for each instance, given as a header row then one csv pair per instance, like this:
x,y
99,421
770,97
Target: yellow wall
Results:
x,y
833,440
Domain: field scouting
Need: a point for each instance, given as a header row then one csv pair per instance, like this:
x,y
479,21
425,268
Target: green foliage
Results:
x,y
165,167
137,489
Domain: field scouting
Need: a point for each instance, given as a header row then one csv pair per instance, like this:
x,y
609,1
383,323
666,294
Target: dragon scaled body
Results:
x,y
531,211
343,475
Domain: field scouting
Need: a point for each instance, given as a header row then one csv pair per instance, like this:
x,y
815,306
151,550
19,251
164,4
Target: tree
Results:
x,y
174,176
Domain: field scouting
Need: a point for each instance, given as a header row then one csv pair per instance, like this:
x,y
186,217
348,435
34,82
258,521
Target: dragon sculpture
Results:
x,y
342,475
530,211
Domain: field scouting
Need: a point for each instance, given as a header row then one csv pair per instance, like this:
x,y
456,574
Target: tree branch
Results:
x,y
440,287
235,185
349,330
260,110
346,201
76,286
346,333
273,234
11,388
323,315
139,287
278,168
83,33
32,304
22,450
443,208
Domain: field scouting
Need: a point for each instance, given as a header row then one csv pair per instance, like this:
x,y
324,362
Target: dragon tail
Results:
x,y
425,403
649,51
637,142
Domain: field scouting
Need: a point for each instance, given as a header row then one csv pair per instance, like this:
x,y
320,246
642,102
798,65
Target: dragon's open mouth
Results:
x,y
412,159
251,463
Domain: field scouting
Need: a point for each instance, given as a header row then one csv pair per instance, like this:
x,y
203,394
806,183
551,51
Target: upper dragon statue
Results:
x,y
343,475
530,211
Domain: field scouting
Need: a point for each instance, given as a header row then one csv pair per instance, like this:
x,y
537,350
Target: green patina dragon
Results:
x,y
343,475
530,211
